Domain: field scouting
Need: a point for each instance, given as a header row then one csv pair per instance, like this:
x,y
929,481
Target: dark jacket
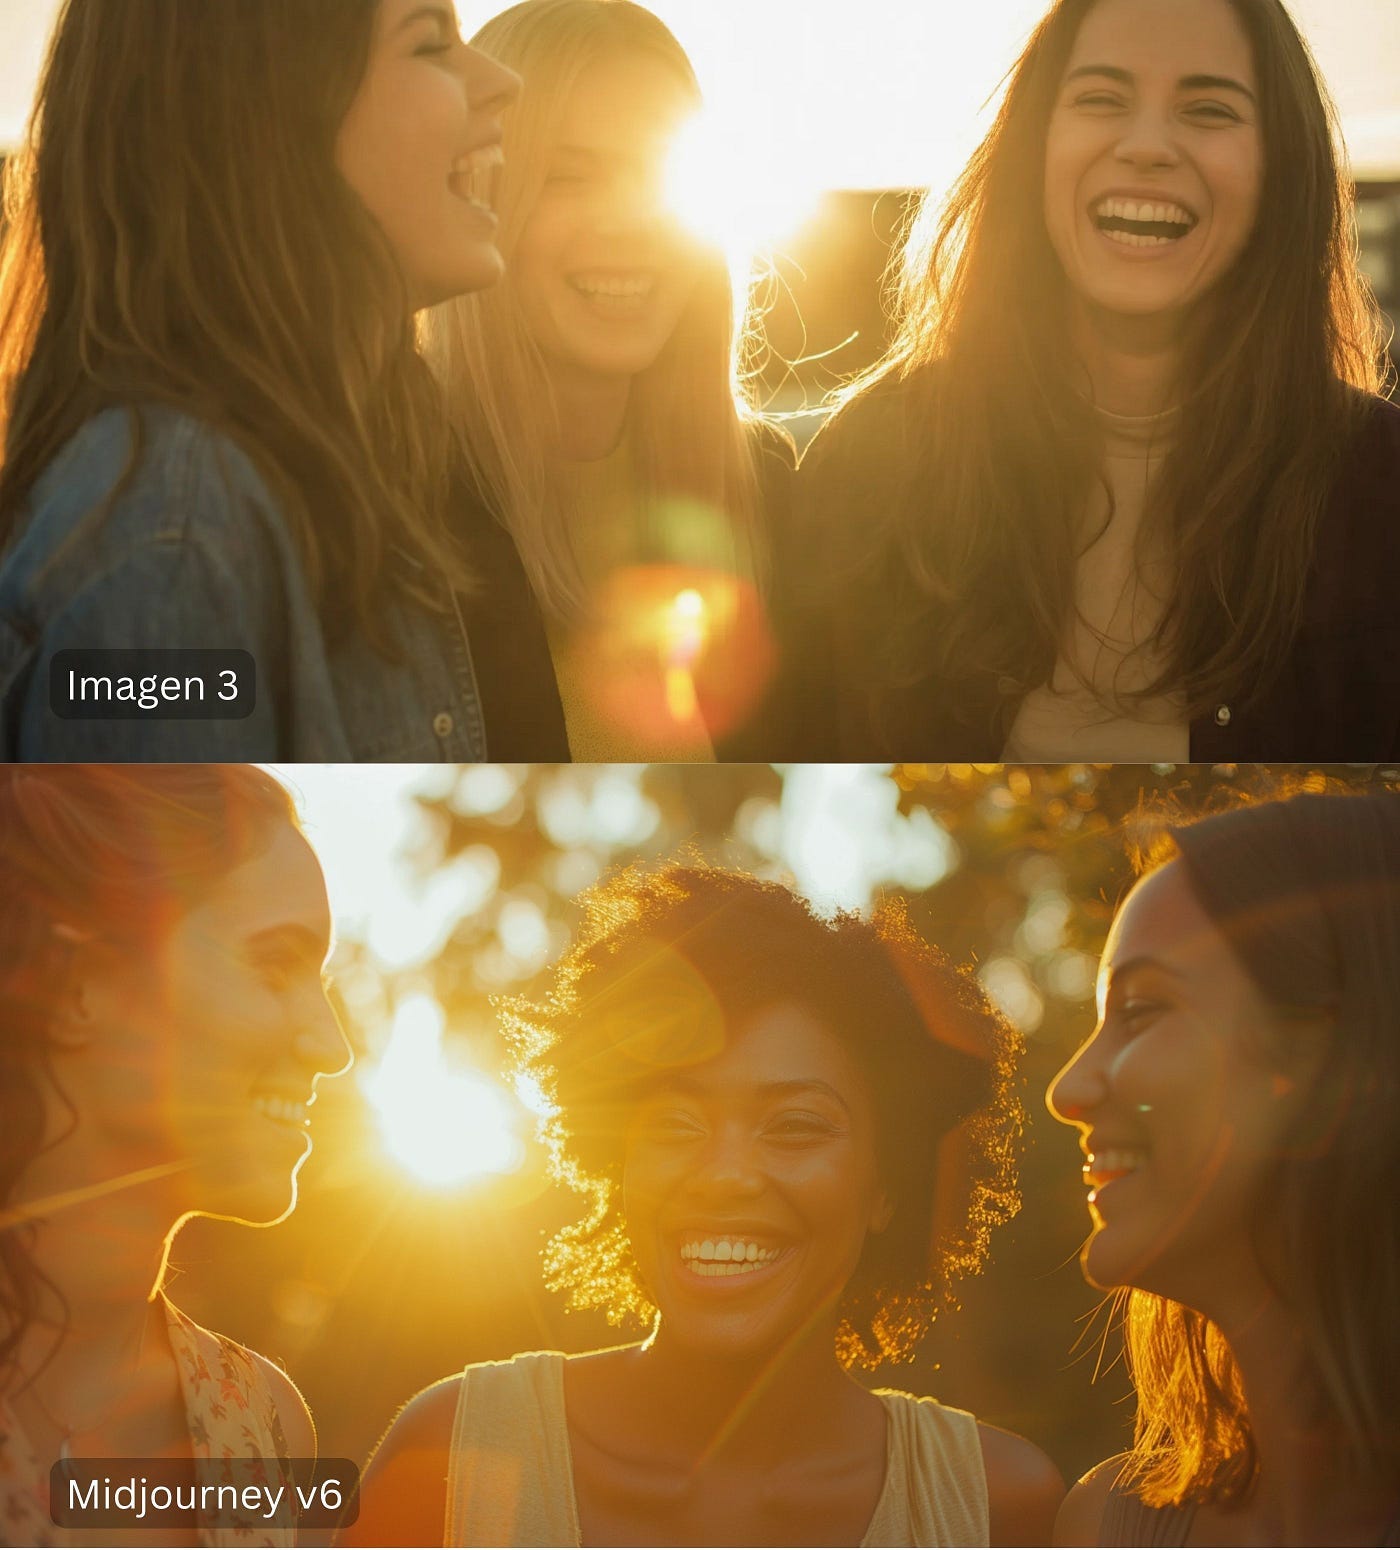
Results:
x,y
1337,697
765,730
193,553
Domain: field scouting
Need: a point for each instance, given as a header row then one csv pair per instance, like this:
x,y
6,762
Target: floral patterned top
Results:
x,y
231,1412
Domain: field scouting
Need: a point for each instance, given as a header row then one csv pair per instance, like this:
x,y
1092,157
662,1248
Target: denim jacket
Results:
x,y
193,553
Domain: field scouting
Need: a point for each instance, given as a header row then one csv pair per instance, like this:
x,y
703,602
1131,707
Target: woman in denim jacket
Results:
x,y
218,432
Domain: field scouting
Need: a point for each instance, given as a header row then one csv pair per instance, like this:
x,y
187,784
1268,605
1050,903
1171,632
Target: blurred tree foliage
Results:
x,y
377,1285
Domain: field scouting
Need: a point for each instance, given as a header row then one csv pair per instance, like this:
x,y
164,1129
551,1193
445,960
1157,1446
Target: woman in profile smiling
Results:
x,y
757,1104
1123,488
218,432
163,1027
1237,1112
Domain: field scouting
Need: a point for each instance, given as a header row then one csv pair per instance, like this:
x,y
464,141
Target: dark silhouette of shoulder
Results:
x,y
1024,1489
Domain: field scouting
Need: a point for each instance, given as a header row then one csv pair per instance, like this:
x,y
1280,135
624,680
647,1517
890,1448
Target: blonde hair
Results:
x,y
690,421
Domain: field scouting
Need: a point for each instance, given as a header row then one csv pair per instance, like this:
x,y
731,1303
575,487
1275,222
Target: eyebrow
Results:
x,y
1119,971
438,13
1187,82
299,940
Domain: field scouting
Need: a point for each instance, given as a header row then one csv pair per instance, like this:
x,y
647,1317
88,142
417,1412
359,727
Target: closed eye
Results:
x,y
674,1126
799,1128
1099,101
1213,112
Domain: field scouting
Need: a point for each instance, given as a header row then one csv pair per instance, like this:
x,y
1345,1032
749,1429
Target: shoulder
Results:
x,y
1358,542
1024,1489
292,1410
425,1422
150,528
141,478
403,1496
1370,473
1080,1519
870,423
199,1350
150,450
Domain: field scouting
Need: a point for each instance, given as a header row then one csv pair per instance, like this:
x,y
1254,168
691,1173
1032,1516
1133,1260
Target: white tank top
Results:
x,y
510,1473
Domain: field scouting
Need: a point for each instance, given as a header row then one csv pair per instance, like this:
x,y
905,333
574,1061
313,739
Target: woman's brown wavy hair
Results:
x,y
666,964
94,853
1307,893
1274,378
179,232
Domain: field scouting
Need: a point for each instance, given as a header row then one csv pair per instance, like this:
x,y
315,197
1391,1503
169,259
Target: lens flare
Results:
x,y
443,1124
684,655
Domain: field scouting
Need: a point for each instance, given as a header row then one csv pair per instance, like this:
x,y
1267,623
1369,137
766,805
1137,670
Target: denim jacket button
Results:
x,y
442,724
1222,715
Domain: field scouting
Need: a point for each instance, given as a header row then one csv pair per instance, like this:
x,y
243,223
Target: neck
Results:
x,y
592,412
748,1409
1132,363
103,1252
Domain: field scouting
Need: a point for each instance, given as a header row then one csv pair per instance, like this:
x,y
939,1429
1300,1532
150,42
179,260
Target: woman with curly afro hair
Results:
x,y
793,1134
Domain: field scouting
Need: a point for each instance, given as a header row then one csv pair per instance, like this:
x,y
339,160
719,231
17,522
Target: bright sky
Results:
x,y
837,831
876,93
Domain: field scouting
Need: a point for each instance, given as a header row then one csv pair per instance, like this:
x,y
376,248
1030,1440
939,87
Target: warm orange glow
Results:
x,y
683,653
444,1124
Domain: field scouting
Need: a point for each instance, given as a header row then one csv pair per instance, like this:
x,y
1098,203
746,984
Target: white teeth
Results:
x,y
285,1109
615,287
725,1256
484,159
475,173
1101,1167
1141,213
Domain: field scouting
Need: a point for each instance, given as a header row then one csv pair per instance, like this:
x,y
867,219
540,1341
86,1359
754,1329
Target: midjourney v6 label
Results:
x,y
242,1494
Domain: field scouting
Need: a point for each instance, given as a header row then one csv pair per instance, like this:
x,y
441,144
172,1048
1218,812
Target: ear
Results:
x,y
73,1024
882,1213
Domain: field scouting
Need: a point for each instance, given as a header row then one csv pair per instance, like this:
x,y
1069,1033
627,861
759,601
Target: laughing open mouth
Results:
x,y
1137,223
727,1256
474,176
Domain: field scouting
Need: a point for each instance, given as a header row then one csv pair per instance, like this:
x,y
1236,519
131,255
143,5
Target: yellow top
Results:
x,y
662,584
510,1473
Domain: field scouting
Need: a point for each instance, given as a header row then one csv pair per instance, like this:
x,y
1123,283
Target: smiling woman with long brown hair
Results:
x,y
1237,1110
792,1135
1123,488
217,430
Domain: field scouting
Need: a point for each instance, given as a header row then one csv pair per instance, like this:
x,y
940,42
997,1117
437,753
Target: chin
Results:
x,y
630,362
256,1197
479,272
